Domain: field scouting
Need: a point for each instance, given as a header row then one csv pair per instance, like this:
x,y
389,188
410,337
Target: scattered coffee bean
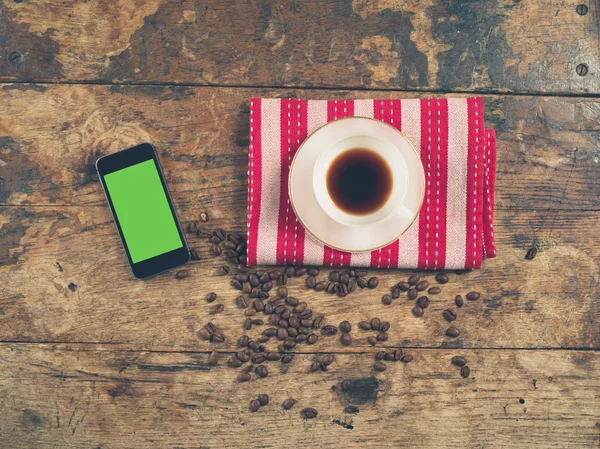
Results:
x,y
423,302
215,239
372,340
182,274
346,385
422,285
218,308
212,296
313,271
334,276
458,300
263,399
346,339
351,409
309,413
254,405
314,367
384,326
441,278
373,282
329,330
204,334
417,311
264,278
261,371
243,341
243,356
213,358
312,339
216,249
412,294
531,253
328,359
194,227
244,377
397,355
465,371
320,286
395,292
229,245
473,296
311,282
235,362
221,234
403,286
236,284
224,269
253,345
362,282
287,358
452,332
274,275
386,300
382,336
217,338
345,278
318,321
250,312
267,286
434,290
406,358
375,323
414,279
194,255
380,355
300,271
289,403
459,361
364,325
247,324
380,366
449,315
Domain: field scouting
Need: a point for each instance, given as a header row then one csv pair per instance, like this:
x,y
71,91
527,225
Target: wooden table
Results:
x,y
91,358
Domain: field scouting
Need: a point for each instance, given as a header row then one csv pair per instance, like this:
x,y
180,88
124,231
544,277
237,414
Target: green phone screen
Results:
x,y
143,211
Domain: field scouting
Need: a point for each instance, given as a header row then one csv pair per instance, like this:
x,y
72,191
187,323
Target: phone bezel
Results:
x,y
126,158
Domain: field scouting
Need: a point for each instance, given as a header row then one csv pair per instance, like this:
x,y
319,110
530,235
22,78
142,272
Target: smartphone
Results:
x,y
143,210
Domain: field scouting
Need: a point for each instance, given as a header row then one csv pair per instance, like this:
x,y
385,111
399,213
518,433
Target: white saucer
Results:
x,y
407,171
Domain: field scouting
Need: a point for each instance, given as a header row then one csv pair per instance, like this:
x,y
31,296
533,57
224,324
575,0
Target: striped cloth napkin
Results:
x,y
454,229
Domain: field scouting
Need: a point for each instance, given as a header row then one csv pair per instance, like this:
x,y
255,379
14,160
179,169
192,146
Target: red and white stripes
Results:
x,y
455,226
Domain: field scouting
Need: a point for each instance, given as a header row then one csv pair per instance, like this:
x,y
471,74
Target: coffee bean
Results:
x,y
434,290
458,300
452,332
293,331
291,301
243,341
449,315
384,326
345,326
254,405
204,334
294,321
253,280
253,345
211,297
215,240
259,305
284,323
343,290
364,325
417,311
334,276
283,279
328,359
320,286
441,278
329,330
403,286
312,339
414,279
218,308
311,282
221,234
422,285
229,245
255,293
247,324
473,296
300,271
362,282
289,343
459,361
264,278
289,403
246,287
263,399
263,339
314,367
300,307
282,333
375,323
386,300
216,249
182,274
194,227
352,285
235,362
313,271
267,286
397,354
224,269
211,327
213,358
270,332
287,358
243,356
345,278
242,268
351,409
268,309
373,282
372,340
395,292
195,256
309,413
380,355
346,339
217,338
380,366
423,302
289,271
274,275
307,322
244,377
531,253
406,358
282,292
382,336
261,371
412,294
465,371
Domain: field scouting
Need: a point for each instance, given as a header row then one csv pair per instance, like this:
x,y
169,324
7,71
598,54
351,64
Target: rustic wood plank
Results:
x,y
65,279
50,138
72,397
502,45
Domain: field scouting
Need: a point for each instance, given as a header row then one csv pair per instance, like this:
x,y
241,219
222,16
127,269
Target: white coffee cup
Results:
x,y
383,148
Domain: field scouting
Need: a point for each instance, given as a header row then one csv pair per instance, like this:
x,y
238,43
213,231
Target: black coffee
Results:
x,y
359,181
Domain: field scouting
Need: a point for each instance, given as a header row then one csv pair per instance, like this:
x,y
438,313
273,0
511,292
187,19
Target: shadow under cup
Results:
x,y
397,167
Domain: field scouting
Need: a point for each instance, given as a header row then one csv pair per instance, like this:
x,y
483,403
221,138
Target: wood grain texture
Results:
x,y
550,302
500,45
93,396
51,136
